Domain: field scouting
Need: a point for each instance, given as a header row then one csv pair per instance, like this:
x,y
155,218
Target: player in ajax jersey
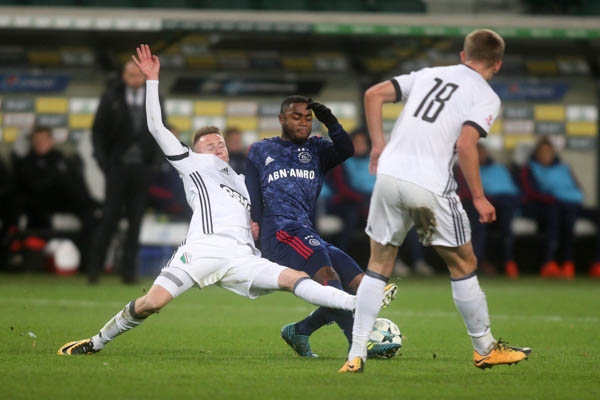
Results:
x,y
219,248
284,176
447,110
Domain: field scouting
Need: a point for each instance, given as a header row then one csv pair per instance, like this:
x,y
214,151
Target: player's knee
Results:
x,y
463,267
289,277
355,282
326,274
148,305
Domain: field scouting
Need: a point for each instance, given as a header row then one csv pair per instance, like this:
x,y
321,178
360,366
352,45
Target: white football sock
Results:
x,y
368,303
472,305
122,322
325,296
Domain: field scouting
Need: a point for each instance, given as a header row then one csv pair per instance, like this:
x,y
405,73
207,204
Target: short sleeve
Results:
x,y
191,162
404,84
483,114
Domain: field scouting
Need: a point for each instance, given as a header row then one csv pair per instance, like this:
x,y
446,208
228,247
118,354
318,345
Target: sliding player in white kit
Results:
x,y
219,249
447,110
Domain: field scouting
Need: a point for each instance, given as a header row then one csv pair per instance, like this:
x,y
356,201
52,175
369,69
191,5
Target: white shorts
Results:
x,y
397,205
222,262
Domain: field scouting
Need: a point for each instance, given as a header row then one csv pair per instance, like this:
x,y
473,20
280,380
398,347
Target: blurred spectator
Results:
x,y
553,198
48,182
416,257
352,185
126,152
237,150
500,190
8,217
593,215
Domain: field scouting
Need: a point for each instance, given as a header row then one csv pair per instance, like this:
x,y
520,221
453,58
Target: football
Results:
x,y
386,331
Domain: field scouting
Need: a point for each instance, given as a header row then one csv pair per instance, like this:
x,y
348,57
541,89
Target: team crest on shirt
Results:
x,y
304,156
312,240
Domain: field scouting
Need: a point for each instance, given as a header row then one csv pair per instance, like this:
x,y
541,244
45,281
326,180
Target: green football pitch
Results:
x,y
212,344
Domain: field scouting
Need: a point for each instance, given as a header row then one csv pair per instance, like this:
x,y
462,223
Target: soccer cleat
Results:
x,y
357,365
84,346
382,350
297,342
389,294
501,354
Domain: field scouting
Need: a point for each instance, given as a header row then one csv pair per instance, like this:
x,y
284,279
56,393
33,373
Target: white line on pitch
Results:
x,y
307,308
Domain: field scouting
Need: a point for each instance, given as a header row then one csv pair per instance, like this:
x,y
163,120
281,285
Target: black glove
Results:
x,y
322,113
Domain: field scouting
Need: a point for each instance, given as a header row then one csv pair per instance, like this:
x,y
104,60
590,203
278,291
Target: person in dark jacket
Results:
x,y
127,153
8,218
237,149
48,182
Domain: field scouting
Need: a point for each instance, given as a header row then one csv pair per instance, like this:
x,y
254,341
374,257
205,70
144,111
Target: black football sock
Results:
x,y
324,316
316,319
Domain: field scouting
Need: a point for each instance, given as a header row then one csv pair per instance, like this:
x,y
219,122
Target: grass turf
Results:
x,y
213,344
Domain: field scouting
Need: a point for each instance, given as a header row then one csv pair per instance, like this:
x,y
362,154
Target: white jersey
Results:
x,y
439,101
217,195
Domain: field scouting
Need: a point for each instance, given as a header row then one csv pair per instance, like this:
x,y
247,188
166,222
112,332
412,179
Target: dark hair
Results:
x,y
40,129
543,141
360,131
205,130
285,104
484,45
232,130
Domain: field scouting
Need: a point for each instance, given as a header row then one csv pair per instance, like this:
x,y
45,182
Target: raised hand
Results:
x,y
147,62
322,113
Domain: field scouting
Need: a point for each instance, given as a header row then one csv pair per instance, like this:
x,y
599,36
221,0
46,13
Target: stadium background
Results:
x,y
231,62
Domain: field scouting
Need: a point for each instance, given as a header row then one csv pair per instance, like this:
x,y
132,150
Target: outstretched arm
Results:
x,y
149,64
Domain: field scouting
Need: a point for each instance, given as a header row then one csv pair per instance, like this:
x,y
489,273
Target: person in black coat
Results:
x,y
127,154
8,217
237,149
48,182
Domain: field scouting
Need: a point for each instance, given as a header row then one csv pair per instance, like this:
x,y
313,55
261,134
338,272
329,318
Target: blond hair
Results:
x,y
484,45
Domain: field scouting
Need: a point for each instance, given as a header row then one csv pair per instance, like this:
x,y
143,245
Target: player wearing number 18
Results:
x,y
447,110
